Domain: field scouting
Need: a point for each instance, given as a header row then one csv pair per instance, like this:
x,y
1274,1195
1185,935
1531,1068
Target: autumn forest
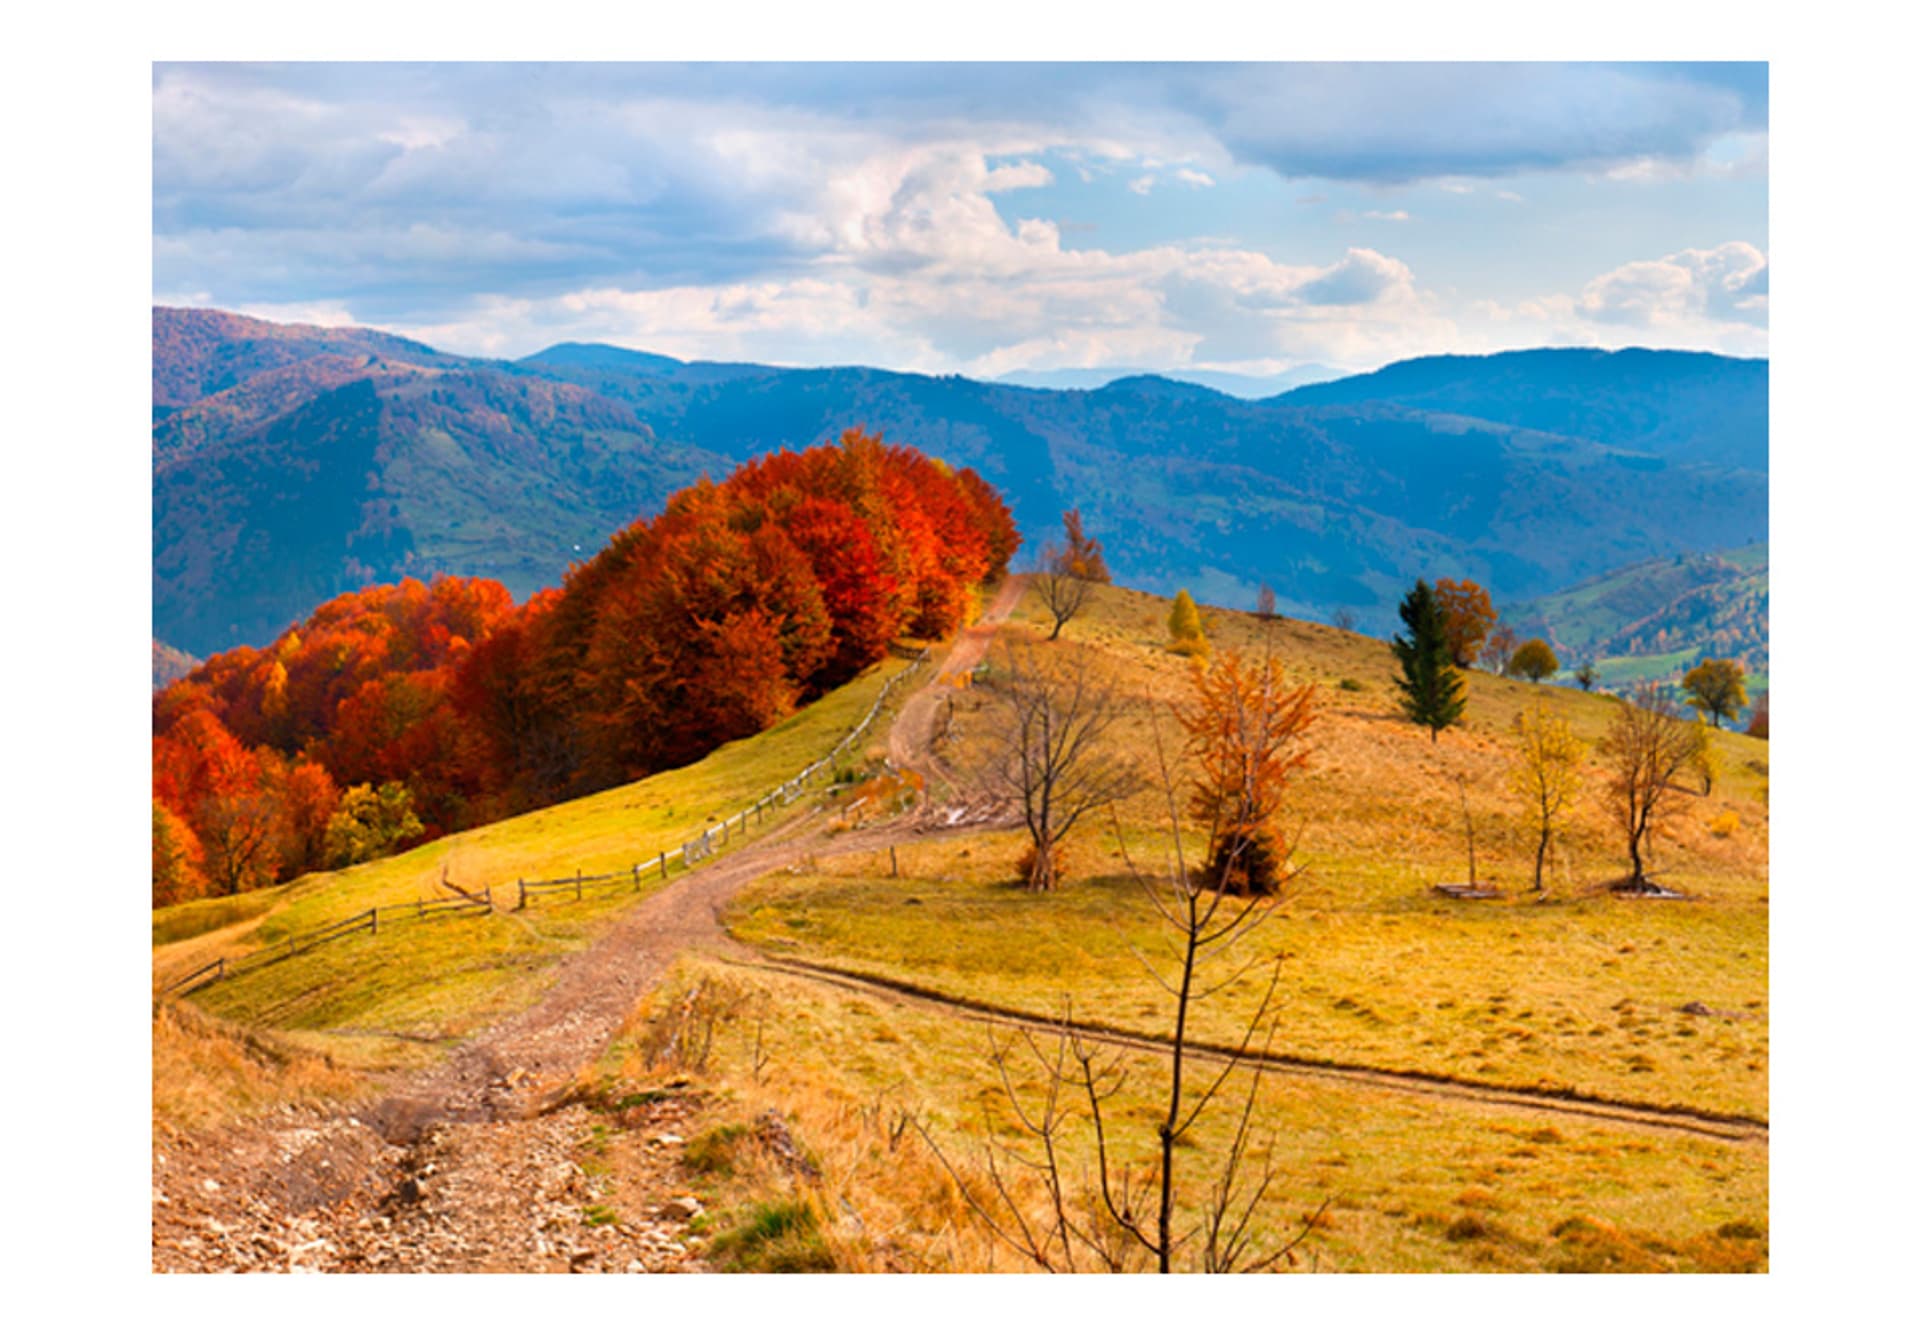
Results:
x,y
406,711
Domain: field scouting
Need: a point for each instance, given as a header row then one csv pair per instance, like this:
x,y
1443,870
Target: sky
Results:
x,y
976,219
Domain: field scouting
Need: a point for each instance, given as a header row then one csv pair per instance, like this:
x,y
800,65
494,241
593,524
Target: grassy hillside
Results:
x,y
1651,1003
1387,971
1655,618
1583,992
378,998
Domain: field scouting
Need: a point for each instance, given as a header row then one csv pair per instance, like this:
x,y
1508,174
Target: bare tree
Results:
x,y
1049,753
1062,592
1647,747
1265,606
1125,1215
1068,572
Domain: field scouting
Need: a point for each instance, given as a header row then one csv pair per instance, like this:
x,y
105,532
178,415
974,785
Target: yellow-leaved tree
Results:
x,y
1185,628
1546,777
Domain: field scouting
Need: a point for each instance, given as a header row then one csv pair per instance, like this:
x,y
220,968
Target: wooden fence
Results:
x,y
706,845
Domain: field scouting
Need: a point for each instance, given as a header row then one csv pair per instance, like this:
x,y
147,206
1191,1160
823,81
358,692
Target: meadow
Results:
x,y
1652,1003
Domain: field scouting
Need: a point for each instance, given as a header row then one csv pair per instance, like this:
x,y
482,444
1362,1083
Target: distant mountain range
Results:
x,y
292,462
1685,407
1240,386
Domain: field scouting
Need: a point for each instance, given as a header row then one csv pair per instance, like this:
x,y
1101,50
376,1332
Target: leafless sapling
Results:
x,y
1063,1204
1647,747
1049,749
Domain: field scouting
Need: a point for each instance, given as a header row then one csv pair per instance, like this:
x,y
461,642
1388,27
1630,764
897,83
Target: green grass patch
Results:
x,y
774,1237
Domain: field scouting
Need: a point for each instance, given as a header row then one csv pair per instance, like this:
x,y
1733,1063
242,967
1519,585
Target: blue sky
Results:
x,y
976,218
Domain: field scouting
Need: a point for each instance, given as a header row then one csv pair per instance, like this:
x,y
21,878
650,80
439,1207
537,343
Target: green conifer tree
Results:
x,y
1431,691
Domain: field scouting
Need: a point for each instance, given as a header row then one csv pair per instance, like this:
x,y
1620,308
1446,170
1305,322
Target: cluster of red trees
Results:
x,y
740,601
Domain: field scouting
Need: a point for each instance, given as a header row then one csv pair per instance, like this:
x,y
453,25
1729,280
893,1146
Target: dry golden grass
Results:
x,y
1584,991
1409,1184
208,1073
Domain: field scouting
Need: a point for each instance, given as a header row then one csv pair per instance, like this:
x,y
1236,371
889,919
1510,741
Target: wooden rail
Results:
x,y
706,845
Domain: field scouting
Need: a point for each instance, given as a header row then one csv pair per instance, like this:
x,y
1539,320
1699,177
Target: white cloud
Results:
x,y
1188,176
1017,176
1727,284
1141,185
328,314
1711,300
1383,215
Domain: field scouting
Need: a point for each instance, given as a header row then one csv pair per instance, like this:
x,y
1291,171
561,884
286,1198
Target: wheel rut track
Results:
x,y
1689,1120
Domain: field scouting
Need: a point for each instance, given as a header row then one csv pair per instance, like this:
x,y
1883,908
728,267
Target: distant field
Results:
x,y
440,980
1652,620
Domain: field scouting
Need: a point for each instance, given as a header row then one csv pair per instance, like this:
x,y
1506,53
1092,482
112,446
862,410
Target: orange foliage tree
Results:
x,y
176,859
1245,730
1469,614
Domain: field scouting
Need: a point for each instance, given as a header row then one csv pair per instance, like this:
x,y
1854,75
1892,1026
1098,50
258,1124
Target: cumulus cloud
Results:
x,y
1727,284
1363,276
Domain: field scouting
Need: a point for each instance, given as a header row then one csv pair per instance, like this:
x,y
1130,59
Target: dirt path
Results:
x,y
471,1165
911,743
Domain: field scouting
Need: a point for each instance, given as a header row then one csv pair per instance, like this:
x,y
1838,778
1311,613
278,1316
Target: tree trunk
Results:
x,y
1539,866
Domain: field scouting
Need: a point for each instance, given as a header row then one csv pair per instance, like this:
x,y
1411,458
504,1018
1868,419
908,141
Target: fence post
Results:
x,y
373,921
663,866
577,876
636,877
488,892
523,894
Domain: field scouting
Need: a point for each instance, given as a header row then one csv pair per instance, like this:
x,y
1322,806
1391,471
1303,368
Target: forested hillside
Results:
x,y
316,461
